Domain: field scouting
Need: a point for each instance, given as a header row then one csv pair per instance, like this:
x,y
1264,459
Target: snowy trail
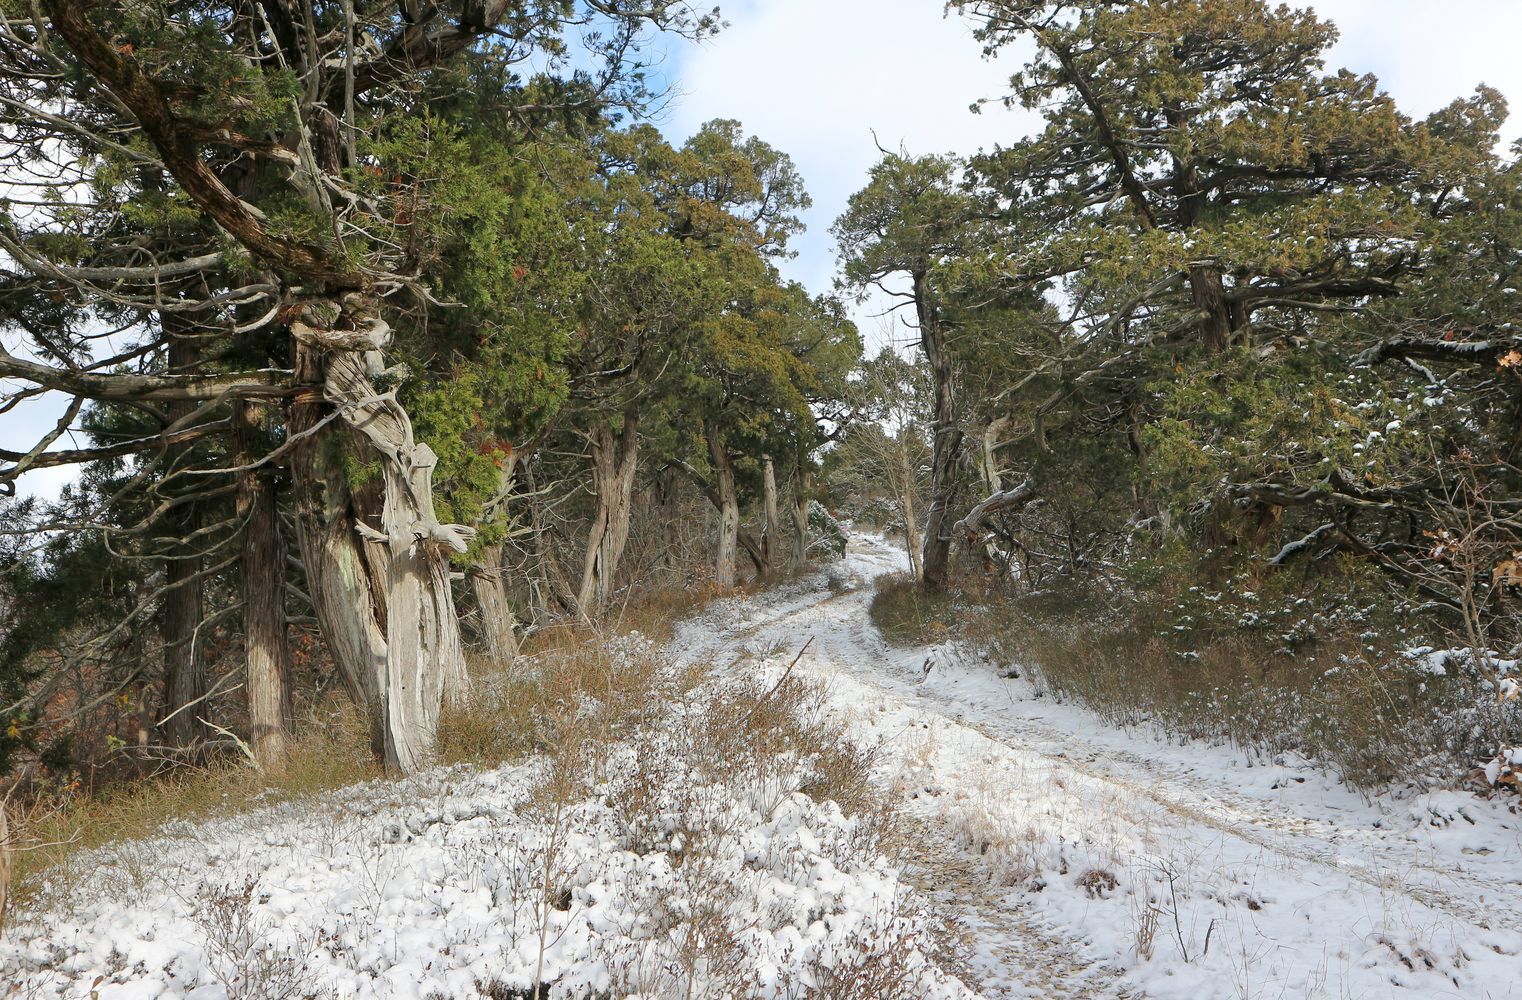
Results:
x,y
1237,880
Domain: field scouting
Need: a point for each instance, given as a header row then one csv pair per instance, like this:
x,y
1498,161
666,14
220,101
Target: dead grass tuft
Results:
x,y
907,614
332,750
605,686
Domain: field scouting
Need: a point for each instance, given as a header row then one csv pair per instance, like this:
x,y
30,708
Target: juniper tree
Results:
x,y
295,144
913,219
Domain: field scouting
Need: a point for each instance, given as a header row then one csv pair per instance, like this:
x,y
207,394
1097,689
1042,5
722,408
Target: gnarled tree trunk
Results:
x,y
350,608
266,649
615,459
424,664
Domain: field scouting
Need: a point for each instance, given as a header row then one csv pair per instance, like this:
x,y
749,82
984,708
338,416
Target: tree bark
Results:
x,y
266,648
729,508
184,673
184,607
497,630
350,609
988,461
406,571
799,557
499,639
771,527
947,446
615,459
425,658
1222,323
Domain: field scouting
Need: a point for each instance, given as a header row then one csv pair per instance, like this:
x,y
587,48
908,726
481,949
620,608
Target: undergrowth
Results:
x,y
678,763
57,822
331,749
1346,698
1319,675
907,614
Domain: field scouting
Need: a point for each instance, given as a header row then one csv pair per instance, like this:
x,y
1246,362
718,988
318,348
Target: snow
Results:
x,y
459,883
1070,858
1233,878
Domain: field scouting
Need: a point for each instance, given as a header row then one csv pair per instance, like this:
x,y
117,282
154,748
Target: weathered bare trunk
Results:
x,y
425,658
424,663
771,528
499,639
947,445
615,459
990,474
729,509
184,607
266,648
799,557
988,461
350,610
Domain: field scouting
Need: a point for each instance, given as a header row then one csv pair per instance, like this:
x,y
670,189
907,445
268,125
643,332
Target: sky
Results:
x,y
826,80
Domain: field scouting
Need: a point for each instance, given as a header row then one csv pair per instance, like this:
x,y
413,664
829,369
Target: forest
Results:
x,y
386,351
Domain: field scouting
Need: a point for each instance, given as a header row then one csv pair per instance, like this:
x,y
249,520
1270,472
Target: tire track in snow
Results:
x,y
848,648
1013,951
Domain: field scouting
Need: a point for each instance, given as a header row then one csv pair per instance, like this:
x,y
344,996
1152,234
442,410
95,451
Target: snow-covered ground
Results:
x,y
1071,859
1085,861
657,875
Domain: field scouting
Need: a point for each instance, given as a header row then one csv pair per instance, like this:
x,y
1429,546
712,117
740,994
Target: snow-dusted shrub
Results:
x,y
826,534
907,615
1336,682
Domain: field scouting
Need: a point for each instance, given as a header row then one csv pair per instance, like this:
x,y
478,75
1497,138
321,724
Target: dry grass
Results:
x,y
604,686
680,754
908,615
674,751
1339,699
330,752
512,716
